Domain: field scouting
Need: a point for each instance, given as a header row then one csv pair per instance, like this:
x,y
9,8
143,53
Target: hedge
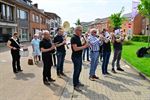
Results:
x,y
140,38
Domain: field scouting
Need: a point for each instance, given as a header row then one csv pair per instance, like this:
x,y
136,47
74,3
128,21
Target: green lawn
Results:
x,y
129,54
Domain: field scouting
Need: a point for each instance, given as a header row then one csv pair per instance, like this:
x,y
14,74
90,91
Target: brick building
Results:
x,y
37,20
25,18
8,22
23,8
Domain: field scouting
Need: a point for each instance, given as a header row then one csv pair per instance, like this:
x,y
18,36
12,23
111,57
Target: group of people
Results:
x,y
99,45
93,42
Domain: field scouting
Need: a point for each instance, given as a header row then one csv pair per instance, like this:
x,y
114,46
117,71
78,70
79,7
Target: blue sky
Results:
x,y
86,10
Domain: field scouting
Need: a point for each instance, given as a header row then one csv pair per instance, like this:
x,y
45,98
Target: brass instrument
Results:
x,y
66,28
119,37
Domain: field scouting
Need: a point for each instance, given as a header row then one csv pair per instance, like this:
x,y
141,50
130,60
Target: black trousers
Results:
x,y
15,60
117,57
47,62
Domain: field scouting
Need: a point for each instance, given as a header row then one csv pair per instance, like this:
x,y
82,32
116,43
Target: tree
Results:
x,y
78,22
117,19
144,9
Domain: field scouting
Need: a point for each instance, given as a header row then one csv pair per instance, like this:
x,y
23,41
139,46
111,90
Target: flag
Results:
x,y
134,8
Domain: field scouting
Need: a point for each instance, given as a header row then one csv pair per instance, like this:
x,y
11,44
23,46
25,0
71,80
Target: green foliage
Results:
x,y
140,38
144,8
78,22
117,19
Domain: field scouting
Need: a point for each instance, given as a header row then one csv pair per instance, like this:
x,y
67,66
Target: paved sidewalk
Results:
x,y
126,85
28,85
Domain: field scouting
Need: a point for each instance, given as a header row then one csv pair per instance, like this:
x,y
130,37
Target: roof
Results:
x,y
52,15
128,15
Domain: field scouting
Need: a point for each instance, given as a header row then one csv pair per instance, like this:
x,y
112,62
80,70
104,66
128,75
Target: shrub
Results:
x,y
140,38
127,43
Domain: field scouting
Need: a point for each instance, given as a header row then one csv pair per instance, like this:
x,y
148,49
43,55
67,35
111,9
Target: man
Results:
x,y
61,52
117,39
14,44
94,43
46,48
76,56
106,51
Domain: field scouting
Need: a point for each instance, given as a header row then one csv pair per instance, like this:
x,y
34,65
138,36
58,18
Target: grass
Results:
x,y
129,54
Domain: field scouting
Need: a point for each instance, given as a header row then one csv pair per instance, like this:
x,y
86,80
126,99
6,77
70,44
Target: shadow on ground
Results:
x,y
24,76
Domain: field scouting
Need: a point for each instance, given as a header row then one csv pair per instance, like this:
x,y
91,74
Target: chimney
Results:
x,y
35,5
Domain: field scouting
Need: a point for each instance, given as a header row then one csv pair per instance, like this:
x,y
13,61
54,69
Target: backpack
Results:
x,y
141,52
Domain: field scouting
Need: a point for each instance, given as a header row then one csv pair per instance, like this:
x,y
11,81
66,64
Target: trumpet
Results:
x,y
83,40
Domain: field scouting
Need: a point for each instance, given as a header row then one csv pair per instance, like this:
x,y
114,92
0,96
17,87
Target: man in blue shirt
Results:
x,y
94,43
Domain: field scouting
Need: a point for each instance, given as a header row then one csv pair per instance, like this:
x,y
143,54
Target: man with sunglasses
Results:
x,y
94,43
76,56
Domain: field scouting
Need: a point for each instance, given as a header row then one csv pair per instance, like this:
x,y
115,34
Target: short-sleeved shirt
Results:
x,y
76,40
59,39
14,44
35,43
94,43
45,44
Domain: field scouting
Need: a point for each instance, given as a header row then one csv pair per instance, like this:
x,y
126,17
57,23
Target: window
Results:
x,y
3,10
33,17
21,14
18,13
37,19
6,12
9,13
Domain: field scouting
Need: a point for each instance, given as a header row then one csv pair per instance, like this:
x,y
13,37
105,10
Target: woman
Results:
x,y
36,49
14,44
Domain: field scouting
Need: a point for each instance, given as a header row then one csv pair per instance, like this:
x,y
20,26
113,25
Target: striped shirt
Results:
x,y
94,43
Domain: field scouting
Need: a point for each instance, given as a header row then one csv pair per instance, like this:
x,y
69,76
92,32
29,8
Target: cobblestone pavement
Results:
x,y
126,85
28,85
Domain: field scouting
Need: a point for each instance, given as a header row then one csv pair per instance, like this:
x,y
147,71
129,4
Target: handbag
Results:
x,y
30,61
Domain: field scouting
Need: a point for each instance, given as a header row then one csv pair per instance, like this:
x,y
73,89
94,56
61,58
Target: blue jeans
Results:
x,y
86,51
60,61
94,62
77,62
106,56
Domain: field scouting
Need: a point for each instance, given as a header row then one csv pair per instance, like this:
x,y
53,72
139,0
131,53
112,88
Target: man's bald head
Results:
x,y
46,35
78,30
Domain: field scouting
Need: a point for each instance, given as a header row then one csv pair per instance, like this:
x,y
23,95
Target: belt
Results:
x,y
94,51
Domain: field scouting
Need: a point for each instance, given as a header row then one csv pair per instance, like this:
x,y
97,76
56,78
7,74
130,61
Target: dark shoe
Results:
x,y
94,76
113,70
15,72
120,69
107,73
58,75
80,84
51,80
20,70
63,74
46,83
77,89
91,78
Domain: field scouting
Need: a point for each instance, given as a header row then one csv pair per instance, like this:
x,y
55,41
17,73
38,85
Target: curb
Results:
x,y
140,73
